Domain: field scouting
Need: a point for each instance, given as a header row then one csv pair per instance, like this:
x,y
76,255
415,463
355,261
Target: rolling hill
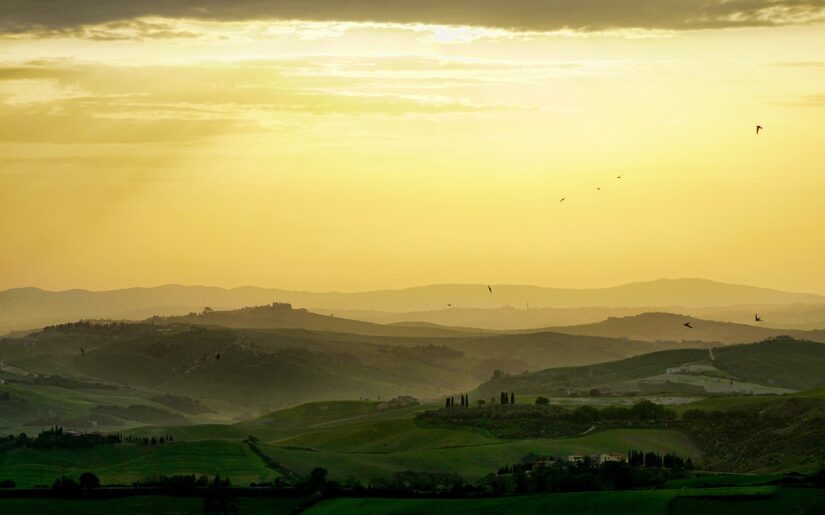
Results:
x,y
259,369
27,308
778,365
669,327
511,318
283,316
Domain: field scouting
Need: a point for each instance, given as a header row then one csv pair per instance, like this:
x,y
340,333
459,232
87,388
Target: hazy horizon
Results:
x,y
413,286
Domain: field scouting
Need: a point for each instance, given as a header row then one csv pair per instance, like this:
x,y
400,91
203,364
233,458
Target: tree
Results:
x,y
542,401
219,499
65,484
317,478
89,480
512,398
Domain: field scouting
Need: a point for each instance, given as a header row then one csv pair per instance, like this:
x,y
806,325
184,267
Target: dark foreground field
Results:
x,y
747,500
730,501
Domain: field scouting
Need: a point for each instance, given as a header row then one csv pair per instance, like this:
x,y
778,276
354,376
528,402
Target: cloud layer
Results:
x,y
526,15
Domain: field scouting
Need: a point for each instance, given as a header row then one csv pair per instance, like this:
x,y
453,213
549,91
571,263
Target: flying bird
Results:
x,y
758,128
687,324
619,176
562,199
449,305
82,351
490,288
217,356
757,318
598,189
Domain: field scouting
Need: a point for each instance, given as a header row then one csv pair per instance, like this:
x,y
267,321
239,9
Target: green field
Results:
x,y
640,502
143,505
123,464
474,461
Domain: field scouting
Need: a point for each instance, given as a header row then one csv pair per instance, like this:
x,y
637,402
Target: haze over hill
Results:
x,y
670,327
283,316
28,308
775,364
512,318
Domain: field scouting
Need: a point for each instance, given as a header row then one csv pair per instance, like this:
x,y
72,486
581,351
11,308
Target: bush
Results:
x,y
7,483
65,484
542,401
89,480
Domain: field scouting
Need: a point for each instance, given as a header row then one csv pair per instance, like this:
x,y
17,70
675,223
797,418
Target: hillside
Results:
x,y
27,308
670,327
522,317
259,369
284,316
766,367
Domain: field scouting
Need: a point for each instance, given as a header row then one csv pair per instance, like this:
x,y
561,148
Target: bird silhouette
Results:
x,y
562,199
757,318
687,324
490,288
759,128
82,351
449,305
217,356
598,189
619,176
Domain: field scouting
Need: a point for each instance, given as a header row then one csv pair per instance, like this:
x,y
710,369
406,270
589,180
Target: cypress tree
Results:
x,y
512,398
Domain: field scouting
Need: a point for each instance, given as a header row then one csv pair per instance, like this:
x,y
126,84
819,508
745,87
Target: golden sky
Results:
x,y
364,154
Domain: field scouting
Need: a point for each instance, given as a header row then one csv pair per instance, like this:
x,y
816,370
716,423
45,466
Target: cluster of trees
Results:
x,y
506,399
577,477
56,437
464,401
670,460
145,440
87,324
531,420
68,485
180,482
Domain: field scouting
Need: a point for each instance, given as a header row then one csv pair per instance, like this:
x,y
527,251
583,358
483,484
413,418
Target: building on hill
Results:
x,y
577,458
612,457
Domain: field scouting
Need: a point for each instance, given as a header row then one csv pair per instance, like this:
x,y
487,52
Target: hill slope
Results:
x,y
669,327
25,308
783,364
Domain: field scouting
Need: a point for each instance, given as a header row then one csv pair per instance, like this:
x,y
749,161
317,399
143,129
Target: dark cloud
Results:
x,y
538,15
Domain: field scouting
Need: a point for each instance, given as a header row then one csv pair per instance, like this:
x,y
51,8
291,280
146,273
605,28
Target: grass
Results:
x,y
474,461
797,501
143,505
639,502
124,464
385,436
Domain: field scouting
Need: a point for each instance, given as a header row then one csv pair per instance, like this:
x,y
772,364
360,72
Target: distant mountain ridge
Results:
x,y
26,308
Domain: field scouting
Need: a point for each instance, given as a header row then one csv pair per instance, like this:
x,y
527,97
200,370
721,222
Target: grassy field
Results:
x,y
640,502
144,505
123,464
474,461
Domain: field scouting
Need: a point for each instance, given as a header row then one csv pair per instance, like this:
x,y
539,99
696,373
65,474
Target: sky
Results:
x,y
361,145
